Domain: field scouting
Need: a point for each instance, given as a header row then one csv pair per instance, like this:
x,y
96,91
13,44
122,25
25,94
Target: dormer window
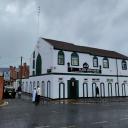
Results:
x,y
105,62
95,61
74,59
61,58
124,65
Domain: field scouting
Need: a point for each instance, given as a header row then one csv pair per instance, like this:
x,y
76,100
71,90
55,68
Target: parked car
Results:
x,y
9,92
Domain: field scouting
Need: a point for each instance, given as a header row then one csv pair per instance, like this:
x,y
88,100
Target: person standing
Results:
x,y
34,95
38,91
19,90
97,91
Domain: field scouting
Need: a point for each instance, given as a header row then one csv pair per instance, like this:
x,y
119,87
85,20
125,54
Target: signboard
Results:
x,y
95,80
60,80
85,80
109,80
85,70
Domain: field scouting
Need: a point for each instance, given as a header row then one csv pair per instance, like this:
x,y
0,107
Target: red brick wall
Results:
x,y
13,73
1,87
24,70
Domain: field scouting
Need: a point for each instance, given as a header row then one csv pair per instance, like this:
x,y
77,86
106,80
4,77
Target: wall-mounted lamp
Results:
x,y
68,64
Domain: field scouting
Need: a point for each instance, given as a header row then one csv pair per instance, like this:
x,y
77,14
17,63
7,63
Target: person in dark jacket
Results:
x,y
97,91
19,91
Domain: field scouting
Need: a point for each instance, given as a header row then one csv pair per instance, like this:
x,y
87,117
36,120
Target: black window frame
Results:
x,y
33,63
34,55
124,65
95,58
76,56
61,57
105,60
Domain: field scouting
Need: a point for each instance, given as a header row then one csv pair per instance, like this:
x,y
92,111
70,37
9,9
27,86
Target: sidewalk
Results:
x,y
89,100
3,103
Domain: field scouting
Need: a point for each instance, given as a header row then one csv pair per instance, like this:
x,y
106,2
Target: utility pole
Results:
x,y
21,72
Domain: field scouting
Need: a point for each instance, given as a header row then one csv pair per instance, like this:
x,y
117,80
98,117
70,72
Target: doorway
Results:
x,y
73,88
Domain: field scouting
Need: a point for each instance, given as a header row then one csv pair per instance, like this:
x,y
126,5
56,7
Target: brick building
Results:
x,y
13,73
23,71
1,87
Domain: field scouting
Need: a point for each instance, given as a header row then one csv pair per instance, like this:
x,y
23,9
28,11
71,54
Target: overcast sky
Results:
x,y
94,23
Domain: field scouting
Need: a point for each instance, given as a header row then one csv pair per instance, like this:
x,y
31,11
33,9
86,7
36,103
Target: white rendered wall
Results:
x,y
83,57
120,71
54,86
46,52
89,80
50,61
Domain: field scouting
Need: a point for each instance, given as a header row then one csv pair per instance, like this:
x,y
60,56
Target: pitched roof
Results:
x,y
82,49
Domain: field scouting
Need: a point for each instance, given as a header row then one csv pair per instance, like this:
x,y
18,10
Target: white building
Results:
x,y
65,70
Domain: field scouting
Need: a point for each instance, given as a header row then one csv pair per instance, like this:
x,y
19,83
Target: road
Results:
x,y
22,113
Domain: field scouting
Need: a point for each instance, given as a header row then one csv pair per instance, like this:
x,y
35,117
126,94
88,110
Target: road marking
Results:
x,y
124,119
101,122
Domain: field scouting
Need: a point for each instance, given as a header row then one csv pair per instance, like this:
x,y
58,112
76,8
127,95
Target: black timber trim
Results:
x,y
77,74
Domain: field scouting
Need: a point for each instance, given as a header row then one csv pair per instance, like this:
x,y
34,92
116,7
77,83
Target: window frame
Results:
x,y
95,61
74,57
124,65
61,57
33,64
105,62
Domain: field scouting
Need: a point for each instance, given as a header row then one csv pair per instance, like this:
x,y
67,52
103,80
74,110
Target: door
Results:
x,y
85,90
61,90
93,89
109,89
123,90
117,89
73,89
102,90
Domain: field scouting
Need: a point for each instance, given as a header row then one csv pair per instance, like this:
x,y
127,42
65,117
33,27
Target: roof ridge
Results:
x,y
84,49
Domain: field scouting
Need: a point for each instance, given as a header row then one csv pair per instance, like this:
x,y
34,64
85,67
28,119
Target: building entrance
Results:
x,y
73,88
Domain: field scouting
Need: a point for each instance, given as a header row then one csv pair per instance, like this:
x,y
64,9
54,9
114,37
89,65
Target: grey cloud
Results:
x,y
94,23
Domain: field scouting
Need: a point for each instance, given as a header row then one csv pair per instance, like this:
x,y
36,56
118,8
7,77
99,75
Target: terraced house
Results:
x,y
66,70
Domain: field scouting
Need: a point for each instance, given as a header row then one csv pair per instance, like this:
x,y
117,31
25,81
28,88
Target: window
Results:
x,y
43,88
105,62
60,58
34,60
74,59
95,61
38,65
33,73
34,55
33,64
124,65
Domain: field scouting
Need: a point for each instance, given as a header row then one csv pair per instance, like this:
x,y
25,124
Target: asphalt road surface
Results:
x,y
22,113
